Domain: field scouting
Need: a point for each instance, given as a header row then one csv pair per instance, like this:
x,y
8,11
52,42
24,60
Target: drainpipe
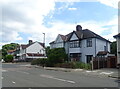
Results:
x,y
95,46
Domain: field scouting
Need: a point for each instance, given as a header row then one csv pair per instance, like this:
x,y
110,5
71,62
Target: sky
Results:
x,y
23,20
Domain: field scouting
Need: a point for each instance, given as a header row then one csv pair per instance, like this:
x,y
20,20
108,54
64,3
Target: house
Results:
x,y
81,44
30,51
118,47
11,52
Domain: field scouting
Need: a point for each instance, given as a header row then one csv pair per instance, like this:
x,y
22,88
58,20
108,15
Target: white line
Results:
x,y
2,77
51,77
13,82
23,72
3,70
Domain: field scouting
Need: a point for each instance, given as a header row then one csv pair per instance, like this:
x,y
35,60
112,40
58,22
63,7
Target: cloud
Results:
x,y
72,8
27,16
112,3
23,16
60,27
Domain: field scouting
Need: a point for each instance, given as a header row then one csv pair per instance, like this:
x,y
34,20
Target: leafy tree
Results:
x,y
7,47
113,48
8,58
47,49
0,55
57,55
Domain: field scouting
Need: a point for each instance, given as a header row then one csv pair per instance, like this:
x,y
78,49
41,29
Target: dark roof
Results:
x,y
118,35
24,46
52,42
101,53
89,34
63,37
82,34
34,54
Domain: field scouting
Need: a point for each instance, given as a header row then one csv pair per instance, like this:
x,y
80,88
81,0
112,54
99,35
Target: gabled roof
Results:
x,y
118,35
89,34
81,34
24,46
63,37
84,34
52,42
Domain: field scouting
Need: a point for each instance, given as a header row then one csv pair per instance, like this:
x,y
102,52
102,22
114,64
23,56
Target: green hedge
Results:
x,y
40,61
8,58
74,65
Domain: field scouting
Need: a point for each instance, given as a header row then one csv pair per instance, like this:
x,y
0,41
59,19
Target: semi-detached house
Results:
x,y
81,44
118,47
30,51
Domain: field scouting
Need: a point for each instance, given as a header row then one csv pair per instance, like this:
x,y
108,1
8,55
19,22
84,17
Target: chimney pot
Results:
x,y
30,41
78,28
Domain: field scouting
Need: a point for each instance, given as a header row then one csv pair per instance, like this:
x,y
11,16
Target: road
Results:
x,y
19,75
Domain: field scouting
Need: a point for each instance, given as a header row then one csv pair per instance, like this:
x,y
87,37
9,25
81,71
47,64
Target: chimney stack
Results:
x,y
78,28
30,41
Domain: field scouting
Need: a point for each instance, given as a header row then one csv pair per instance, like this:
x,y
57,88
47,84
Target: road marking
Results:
x,y
51,77
23,72
3,70
107,73
13,82
2,77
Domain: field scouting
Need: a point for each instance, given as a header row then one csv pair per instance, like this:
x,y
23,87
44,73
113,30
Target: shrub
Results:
x,y
74,65
8,58
57,55
34,62
40,61
65,65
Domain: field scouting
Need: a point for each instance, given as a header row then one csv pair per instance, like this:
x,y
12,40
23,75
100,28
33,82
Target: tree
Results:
x,y
0,55
113,48
57,55
7,47
47,49
8,58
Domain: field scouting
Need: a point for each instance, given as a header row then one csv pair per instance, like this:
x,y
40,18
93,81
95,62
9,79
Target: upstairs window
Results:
x,y
74,44
89,42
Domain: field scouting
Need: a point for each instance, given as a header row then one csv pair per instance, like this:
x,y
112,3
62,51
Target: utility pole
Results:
x,y
44,43
44,39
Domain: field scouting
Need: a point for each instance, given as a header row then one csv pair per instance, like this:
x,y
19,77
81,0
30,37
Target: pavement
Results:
x,y
107,72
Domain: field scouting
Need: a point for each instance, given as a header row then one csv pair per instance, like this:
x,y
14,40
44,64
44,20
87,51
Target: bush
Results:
x,y
65,65
74,65
40,61
8,58
34,62
57,55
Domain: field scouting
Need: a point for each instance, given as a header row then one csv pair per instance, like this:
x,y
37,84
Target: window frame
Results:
x,y
89,42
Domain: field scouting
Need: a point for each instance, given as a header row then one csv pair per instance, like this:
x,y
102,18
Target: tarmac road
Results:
x,y
19,75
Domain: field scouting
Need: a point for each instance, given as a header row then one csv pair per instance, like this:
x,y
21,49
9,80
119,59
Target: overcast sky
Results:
x,y
23,20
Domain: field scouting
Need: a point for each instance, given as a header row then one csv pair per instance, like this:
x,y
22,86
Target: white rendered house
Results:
x,y
32,50
82,44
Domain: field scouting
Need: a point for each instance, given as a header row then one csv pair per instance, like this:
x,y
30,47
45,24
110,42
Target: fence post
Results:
x,y
92,64
98,62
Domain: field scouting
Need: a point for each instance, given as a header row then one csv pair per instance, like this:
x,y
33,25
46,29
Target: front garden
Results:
x,y
58,58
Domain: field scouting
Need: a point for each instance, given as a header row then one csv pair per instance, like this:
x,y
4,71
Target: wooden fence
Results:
x,y
104,62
